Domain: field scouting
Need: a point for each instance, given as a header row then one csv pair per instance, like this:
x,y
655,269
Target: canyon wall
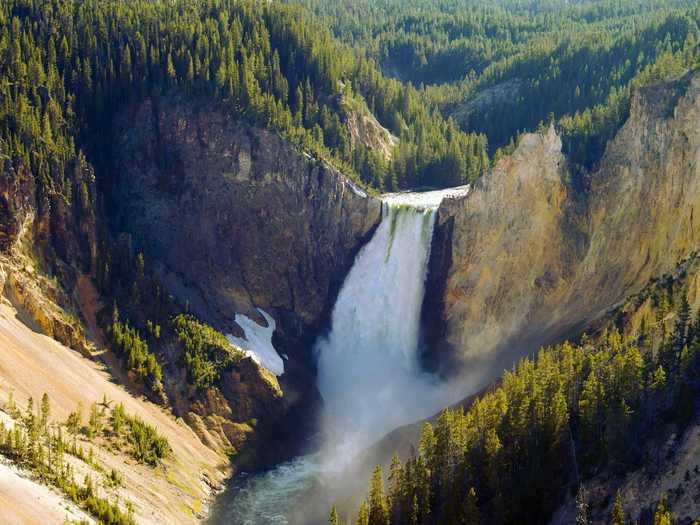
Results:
x,y
236,215
527,259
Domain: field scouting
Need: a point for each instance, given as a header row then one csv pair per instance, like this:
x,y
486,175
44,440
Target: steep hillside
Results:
x,y
262,224
674,469
530,258
177,491
235,219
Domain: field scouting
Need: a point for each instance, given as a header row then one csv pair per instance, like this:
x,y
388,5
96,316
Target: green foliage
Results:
x,y
74,421
118,419
618,515
333,518
207,352
128,343
568,413
570,62
378,506
662,516
268,63
95,421
41,449
125,432
147,445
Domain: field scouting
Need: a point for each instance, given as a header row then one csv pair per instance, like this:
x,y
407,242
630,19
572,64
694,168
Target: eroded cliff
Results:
x,y
237,216
528,259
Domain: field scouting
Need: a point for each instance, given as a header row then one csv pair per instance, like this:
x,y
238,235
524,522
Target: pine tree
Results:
x,y
662,516
414,518
170,72
45,411
470,511
363,514
658,381
118,419
396,489
333,519
95,421
74,420
618,515
378,508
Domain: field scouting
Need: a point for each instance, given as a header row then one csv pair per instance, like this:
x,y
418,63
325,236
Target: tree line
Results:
x,y
573,63
607,404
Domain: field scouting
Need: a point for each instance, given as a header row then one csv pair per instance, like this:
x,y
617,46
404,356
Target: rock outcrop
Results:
x,y
482,102
236,215
236,218
47,240
529,259
365,129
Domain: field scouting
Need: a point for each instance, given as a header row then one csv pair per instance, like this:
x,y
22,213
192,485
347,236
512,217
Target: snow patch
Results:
x,y
257,342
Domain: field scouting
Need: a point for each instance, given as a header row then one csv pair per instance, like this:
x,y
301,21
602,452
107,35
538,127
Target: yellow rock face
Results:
x,y
533,260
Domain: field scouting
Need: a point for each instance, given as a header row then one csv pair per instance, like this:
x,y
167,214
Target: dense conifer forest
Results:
x,y
573,63
67,67
605,404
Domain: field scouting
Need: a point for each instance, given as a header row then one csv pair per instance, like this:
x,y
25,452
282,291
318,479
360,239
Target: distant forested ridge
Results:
x,y
66,67
503,67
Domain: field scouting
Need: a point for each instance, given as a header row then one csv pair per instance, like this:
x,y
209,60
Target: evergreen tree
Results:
x,y
618,515
662,516
378,507
45,411
363,514
470,515
333,519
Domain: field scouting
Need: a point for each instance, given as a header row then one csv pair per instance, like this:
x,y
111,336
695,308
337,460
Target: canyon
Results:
x,y
233,218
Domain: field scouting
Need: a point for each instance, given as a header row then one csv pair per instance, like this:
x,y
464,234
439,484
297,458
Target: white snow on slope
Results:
x,y
258,342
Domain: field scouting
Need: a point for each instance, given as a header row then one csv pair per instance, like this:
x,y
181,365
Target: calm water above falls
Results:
x,y
368,371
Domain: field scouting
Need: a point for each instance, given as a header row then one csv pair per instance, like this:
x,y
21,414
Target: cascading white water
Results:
x,y
368,370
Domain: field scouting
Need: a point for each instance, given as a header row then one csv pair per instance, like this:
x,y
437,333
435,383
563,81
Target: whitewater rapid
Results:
x,y
369,373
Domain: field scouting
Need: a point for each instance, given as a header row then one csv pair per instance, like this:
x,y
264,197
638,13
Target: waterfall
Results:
x,y
368,370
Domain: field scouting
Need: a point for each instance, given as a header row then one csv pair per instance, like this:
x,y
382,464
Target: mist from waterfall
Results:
x,y
369,373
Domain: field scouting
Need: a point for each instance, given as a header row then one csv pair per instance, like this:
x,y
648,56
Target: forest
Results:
x,y
605,404
569,63
68,67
